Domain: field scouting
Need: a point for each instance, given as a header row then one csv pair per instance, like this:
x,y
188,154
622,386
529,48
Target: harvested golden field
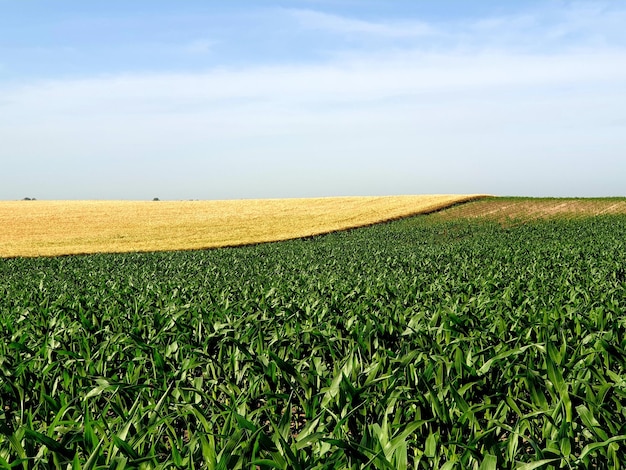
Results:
x,y
51,228
520,210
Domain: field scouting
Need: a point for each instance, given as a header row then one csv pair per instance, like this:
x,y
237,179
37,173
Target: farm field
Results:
x,y
426,342
515,210
51,228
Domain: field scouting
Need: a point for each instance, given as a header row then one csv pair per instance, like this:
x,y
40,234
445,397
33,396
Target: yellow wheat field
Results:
x,y
51,228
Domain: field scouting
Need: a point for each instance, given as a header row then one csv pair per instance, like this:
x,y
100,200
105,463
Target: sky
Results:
x,y
195,99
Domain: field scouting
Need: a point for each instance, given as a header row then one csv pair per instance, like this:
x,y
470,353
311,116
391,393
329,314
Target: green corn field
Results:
x,y
412,344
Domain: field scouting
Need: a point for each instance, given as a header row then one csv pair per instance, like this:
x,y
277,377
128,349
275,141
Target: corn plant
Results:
x,y
414,344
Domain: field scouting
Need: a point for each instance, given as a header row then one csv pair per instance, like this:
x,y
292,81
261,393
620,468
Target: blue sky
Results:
x,y
257,99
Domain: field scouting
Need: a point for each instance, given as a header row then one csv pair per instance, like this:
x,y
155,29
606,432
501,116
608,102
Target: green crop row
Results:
x,y
404,345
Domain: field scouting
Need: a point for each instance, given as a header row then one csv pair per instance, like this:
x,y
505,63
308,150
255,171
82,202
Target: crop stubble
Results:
x,y
518,210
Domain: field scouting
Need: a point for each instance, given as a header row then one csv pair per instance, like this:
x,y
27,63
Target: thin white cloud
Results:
x,y
550,26
334,84
443,109
318,20
199,46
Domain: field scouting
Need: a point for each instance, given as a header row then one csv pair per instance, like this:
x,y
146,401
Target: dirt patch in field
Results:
x,y
50,228
520,210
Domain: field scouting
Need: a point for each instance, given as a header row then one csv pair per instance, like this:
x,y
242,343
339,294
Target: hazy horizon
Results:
x,y
311,98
